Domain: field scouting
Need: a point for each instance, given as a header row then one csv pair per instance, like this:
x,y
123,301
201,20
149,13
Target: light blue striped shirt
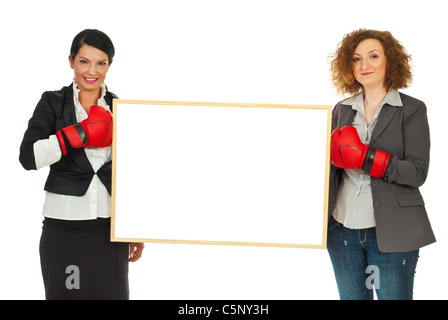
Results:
x,y
354,203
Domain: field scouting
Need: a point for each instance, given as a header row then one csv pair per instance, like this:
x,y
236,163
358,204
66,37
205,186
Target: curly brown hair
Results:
x,y
398,68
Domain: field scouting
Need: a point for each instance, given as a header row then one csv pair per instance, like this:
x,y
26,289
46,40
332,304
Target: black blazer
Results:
x,y
401,220
72,174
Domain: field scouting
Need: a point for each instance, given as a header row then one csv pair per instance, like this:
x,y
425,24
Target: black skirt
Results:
x,y
79,261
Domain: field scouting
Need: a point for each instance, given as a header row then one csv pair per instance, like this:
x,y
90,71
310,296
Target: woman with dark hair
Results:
x,y
380,155
71,131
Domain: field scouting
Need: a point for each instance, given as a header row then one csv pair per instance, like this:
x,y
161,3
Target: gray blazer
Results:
x,y
401,220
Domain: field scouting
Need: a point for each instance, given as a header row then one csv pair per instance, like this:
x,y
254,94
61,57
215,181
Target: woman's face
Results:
x,y
90,66
369,64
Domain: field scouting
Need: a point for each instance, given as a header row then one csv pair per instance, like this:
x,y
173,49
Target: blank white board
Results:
x,y
220,173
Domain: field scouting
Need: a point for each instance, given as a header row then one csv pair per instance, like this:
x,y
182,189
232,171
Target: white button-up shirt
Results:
x,y
354,203
96,203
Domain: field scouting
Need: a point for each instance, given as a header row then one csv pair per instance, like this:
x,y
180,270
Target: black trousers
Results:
x,y
80,262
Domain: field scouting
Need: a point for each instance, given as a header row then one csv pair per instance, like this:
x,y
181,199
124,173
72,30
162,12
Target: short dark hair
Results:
x,y
94,38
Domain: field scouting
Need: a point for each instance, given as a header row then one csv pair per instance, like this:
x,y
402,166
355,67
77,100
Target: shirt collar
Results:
x,y
76,90
392,98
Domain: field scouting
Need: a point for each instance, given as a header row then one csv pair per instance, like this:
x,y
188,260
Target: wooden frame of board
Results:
x,y
220,173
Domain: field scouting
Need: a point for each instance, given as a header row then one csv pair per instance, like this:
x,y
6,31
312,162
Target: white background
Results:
x,y
271,51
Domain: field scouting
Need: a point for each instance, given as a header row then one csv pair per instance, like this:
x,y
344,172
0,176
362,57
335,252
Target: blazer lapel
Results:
x,y
345,117
384,118
109,98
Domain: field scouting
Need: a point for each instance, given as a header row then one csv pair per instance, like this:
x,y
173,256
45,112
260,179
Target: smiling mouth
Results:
x,y
366,73
90,80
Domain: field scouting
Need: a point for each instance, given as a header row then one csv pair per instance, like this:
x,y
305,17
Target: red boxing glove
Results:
x,y
348,152
95,132
98,127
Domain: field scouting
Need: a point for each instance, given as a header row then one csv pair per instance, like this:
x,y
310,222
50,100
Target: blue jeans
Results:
x,y
359,266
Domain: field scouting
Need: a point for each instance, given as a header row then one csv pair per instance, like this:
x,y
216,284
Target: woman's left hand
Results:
x,y
135,251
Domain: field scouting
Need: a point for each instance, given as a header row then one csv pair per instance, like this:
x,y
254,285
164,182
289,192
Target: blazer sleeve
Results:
x,y
411,168
40,126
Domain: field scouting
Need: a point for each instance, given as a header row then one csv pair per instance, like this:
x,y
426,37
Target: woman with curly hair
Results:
x,y
380,149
